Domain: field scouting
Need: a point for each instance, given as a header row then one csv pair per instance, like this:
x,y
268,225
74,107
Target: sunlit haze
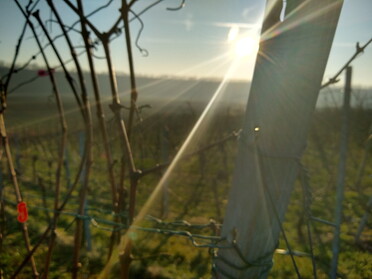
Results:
x,y
199,40
164,139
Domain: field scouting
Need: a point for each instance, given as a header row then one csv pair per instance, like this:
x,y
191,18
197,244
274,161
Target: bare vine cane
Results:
x,y
85,111
125,256
101,117
127,156
8,154
5,86
134,175
125,9
63,141
83,22
59,106
116,108
61,153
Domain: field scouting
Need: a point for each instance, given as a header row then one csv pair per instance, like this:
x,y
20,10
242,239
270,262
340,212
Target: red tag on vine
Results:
x,y
22,212
44,73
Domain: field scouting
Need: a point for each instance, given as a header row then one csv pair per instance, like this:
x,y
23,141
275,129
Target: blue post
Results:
x,y
341,174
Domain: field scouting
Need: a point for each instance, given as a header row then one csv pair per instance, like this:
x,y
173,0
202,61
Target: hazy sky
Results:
x,y
199,40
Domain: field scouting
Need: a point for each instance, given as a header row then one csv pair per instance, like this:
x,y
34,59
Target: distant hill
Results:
x,y
151,87
31,96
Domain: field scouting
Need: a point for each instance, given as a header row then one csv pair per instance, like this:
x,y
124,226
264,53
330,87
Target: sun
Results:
x,y
242,45
245,46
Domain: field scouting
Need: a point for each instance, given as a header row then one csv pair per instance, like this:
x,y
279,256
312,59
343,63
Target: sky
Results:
x,y
200,40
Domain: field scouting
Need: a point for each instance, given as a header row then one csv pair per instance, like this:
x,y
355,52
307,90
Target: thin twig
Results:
x,y
61,35
134,94
18,46
61,62
359,49
33,57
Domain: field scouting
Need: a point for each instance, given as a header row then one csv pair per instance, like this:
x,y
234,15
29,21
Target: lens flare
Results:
x,y
246,46
233,33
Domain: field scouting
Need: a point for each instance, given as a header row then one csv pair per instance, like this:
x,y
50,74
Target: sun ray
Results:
x,y
190,140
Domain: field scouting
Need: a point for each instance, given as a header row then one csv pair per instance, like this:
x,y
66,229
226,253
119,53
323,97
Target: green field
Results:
x,y
196,193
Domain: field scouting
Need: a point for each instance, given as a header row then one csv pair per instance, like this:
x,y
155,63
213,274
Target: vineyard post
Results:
x,y
287,77
341,173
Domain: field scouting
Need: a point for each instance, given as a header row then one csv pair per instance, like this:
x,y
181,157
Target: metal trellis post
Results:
x,y
288,72
341,173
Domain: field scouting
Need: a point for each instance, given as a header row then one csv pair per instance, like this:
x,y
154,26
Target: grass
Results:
x,y
197,192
